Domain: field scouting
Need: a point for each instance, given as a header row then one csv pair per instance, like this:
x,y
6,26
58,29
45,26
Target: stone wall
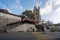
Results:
x,y
6,18
24,27
11,17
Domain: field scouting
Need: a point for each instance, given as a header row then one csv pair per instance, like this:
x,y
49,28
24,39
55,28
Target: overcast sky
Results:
x,y
49,9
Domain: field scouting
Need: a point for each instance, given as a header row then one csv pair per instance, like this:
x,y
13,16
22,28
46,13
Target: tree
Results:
x,y
49,23
28,14
52,28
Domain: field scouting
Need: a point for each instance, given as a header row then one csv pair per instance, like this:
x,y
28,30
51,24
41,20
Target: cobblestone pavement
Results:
x,y
47,36
41,36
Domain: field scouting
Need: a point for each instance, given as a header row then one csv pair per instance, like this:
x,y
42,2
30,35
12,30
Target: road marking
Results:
x,y
41,36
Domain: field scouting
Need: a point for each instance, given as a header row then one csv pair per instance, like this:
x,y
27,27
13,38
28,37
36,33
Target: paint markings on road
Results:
x,y
41,36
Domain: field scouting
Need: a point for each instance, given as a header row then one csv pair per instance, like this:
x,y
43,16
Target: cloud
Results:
x,y
47,9
5,7
52,7
50,4
56,15
16,7
37,2
56,2
17,1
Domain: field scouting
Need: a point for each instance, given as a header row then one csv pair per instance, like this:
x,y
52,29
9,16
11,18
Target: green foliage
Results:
x,y
52,28
28,14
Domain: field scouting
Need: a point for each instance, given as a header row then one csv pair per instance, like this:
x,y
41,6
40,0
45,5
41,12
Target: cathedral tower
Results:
x,y
37,14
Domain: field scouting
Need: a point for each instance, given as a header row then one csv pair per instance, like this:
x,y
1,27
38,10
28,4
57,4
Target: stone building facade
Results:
x,y
24,26
7,18
36,12
14,23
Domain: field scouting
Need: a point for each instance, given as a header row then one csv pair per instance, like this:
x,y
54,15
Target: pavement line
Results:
x,y
41,36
